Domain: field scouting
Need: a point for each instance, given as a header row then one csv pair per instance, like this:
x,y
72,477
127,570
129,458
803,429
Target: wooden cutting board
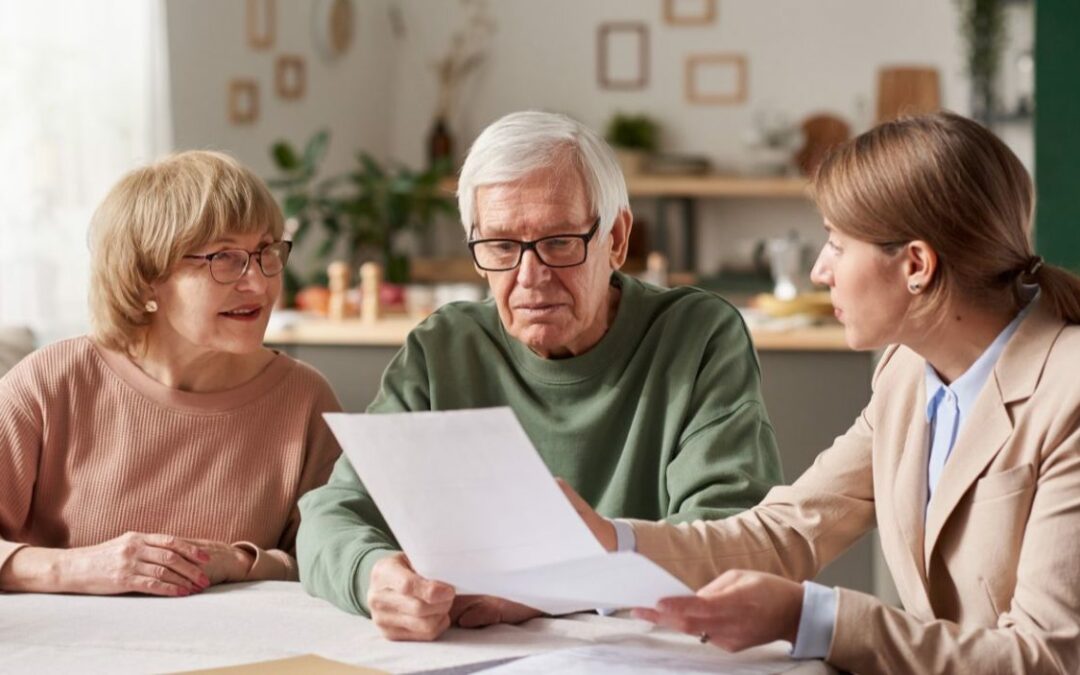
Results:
x,y
907,91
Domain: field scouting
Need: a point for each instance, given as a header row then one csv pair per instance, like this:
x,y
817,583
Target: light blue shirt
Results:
x,y
946,408
624,541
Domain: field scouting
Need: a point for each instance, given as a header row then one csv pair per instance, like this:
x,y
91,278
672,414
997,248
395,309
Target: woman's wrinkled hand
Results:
x,y
135,562
226,563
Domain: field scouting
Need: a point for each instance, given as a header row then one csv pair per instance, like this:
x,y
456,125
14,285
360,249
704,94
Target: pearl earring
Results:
x,y
914,287
151,306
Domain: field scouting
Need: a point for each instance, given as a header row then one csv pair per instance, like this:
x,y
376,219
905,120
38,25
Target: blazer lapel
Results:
x,y
909,484
983,434
989,425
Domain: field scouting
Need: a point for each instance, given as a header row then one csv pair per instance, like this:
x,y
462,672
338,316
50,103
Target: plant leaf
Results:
x,y
284,156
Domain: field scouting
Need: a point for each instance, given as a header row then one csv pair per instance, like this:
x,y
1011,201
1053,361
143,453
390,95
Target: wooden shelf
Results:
x,y
656,185
646,185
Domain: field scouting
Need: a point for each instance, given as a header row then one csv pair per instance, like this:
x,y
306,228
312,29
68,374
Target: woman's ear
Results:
x,y
920,265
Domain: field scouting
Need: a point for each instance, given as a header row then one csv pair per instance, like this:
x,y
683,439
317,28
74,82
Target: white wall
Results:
x,y
803,57
208,47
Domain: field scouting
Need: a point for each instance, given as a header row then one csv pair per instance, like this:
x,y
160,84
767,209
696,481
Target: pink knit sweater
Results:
x,y
91,447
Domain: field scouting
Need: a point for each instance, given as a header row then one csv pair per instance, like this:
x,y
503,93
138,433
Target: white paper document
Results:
x,y
627,660
473,505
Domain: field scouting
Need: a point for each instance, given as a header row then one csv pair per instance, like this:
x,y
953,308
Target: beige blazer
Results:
x,y
989,575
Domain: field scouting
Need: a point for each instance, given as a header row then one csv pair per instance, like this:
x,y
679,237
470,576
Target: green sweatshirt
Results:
x,y
662,419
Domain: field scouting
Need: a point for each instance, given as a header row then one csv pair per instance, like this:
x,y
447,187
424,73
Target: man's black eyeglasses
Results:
x,y
557,250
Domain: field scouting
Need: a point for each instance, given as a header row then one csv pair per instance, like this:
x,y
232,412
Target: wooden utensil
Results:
x,y
907,91
821,132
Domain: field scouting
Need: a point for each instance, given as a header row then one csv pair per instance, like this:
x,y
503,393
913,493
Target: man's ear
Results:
x,y
620,238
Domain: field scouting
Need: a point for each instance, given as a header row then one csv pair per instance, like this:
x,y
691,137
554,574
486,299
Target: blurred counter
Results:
x,y
392,331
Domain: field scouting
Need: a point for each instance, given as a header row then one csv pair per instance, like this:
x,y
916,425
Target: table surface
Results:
x,y
245,623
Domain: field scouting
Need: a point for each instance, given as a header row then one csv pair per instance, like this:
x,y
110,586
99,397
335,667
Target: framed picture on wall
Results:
x,y
622,55
716,79
689,12
243,101
290,76
261,19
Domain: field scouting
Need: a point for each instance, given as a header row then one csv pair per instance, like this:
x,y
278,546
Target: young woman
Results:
x,y
165,452
967,458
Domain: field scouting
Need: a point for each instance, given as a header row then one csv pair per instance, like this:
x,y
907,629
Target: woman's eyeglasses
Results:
x,y
228,266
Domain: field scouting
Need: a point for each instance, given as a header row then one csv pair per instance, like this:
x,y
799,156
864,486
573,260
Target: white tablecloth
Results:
x,y
244,623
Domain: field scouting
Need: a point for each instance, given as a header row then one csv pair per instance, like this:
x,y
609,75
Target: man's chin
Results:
x,y
543,338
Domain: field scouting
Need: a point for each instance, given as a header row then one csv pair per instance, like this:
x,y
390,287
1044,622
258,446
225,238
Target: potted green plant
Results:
x,y
634,138
983,26
362,211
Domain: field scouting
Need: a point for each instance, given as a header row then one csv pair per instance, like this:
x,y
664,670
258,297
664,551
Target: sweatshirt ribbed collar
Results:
x,y
609,351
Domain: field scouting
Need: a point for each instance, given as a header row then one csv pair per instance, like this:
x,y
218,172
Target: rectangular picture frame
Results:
x,y
636,75
243,101
696,92
689,12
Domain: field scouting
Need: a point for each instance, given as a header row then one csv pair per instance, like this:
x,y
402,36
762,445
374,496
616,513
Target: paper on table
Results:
x,y
472,504
626,660
309,664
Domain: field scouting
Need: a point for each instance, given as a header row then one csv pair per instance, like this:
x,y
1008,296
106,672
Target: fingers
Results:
x,y
165,576
393,602
405,605
688,605
150,584
479,615
177,565
461,604
721,583
186,548
426,590
645,614
412,629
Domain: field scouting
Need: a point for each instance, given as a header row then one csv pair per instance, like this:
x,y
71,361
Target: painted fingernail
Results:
x,y
204,581
183,592
203,555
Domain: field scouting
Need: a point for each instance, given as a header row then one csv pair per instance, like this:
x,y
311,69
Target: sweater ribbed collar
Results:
x,y
208,403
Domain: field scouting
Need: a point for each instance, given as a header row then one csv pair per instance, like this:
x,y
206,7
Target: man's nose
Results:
x,y
531,271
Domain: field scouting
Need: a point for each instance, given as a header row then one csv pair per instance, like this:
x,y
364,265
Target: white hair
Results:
x,y
520,143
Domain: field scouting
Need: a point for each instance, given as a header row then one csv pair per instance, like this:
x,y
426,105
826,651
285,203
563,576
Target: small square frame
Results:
x,y
290,76
261,21
243,101
696,62
675,13
605,32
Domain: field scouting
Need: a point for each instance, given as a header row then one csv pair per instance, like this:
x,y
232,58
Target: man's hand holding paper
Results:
x,y
473,506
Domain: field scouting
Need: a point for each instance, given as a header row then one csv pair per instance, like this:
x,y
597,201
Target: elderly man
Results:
x,y
646,401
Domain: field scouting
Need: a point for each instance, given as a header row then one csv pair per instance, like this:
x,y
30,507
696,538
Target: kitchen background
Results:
x,y
391,93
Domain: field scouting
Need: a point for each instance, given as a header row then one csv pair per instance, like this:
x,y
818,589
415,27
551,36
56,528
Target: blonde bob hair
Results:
x,y
153,217
945,180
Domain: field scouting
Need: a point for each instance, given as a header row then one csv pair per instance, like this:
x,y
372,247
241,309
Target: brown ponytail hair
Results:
x,y
944,179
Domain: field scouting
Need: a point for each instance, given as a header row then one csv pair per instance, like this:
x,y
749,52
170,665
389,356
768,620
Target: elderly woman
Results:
x,y
165,452
648,400
967,457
